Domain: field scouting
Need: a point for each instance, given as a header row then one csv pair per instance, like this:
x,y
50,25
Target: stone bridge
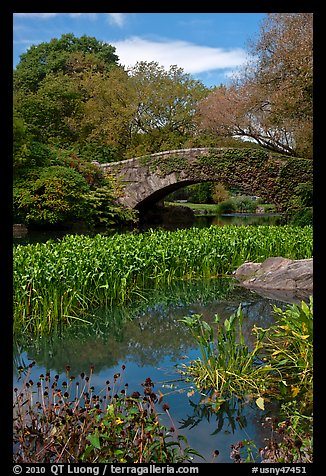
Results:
x,y
148,179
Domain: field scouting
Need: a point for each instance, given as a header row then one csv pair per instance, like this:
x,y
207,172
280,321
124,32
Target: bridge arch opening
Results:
x,y
160,194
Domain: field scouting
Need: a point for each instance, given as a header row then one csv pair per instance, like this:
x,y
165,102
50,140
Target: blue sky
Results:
x,y
209,46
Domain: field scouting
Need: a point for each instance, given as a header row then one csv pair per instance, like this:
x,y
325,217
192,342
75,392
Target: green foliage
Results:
x,y
93,175
228,206
280,365
200,193
238,204
305,193
21,140
68,423
302,217
99,152
47,110
57,281
289,347
55,56
300,211
51,195
103,211
226,366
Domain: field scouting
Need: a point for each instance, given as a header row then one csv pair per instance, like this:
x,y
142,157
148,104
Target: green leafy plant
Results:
x,y
288,346
283,370
226,366
55,282
49,195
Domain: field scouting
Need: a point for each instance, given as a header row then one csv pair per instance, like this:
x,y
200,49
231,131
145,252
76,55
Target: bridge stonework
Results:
x,y
146,180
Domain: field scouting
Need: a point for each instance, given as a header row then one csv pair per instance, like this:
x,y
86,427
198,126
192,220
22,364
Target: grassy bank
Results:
x,y
198,208
55,282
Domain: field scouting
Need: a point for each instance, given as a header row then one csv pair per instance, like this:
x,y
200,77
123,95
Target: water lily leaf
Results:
x,y
260,403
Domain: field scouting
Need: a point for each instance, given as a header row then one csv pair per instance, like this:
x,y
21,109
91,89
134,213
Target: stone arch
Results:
x,y
147,179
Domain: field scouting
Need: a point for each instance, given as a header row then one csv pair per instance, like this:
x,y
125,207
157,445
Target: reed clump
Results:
x,y
57,282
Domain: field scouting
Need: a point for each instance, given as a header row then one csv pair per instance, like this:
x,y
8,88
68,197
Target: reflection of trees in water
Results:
x,y
152,334
235,416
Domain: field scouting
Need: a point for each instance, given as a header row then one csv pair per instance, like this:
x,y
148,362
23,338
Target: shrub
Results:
x,y
51,195
302,217
228,206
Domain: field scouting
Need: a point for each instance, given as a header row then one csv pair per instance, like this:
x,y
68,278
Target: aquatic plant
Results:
x,y
288,346
279,366
64,421
226,368
290,439
57,282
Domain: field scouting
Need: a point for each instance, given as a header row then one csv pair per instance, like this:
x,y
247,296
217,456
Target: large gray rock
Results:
x,y
276,277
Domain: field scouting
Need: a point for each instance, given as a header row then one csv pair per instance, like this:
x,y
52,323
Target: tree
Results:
x,y
137,112
271,101
48,85
108,109
166,101
61,55
220,193
21,141
46,111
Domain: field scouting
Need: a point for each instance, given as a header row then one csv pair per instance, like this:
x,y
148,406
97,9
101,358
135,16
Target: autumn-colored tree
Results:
x,y
220,193
271,99
166,102
109,107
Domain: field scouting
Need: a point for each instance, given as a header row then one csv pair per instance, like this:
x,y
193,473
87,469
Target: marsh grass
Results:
x,y
56,283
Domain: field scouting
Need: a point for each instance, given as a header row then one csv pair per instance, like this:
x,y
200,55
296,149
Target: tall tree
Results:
x,y
166,101
58,55
271,101
108,109
48,85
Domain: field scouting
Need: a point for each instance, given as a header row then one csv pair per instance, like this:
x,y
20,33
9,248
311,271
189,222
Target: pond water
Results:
x,y
148,338
200,221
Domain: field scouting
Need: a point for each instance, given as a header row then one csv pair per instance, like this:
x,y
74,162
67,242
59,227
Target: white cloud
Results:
x,y
117,19
192,58
38,15
51,15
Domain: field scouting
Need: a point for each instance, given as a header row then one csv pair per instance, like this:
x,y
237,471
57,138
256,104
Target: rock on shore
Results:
x,y
278,276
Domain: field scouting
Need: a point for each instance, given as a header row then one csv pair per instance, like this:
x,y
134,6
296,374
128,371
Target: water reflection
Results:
x,y
151,344
238,219
146,332
200,221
